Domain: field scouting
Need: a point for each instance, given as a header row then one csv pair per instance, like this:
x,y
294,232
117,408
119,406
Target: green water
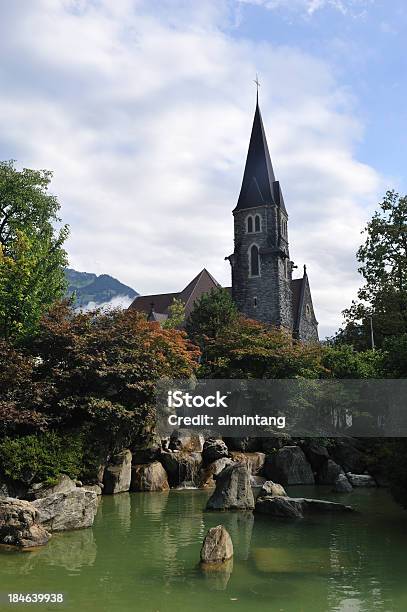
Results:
x,y
142,553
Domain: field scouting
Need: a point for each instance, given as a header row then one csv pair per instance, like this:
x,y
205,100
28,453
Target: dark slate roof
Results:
x,y
155,305
259,185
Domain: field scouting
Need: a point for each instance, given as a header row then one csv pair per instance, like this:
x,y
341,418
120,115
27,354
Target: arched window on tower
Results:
x,y
249,225
254,261
257,223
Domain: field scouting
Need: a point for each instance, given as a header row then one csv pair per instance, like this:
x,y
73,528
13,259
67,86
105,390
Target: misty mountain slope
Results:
x,y
92,291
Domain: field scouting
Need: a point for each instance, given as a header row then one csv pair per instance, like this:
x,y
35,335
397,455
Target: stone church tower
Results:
x,y
262,284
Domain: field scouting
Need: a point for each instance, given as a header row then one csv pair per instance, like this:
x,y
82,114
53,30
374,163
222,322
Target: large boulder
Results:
x,y
297,507
342,484
317,454
42,489
254,461
244,445
233,490
71,510
19,524
272,489
328,473
206,479
184,440
349,455
289,466
279,507
146,449
149,477
217,546
182,468
361,480
117,475
213,450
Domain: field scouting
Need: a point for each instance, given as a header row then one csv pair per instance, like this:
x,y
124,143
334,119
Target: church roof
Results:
x,y
159,303
259,185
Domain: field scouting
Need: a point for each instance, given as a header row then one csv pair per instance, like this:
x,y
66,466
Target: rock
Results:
x,y
42,489
149,477
217,546
319,506
316,454
19,524
257,481
348,455
71,510
273,489
93,488
289,466
182,468
207,475
233,490
279,507
297,507
213,450
254,461
117,475
270,445
184,440
329,472
361,480
243,444
342,484
146,451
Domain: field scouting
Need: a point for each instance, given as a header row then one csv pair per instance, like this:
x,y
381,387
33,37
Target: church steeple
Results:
x,y
259,186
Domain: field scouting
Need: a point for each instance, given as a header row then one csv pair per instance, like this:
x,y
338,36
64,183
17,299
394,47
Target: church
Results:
x,y
263,287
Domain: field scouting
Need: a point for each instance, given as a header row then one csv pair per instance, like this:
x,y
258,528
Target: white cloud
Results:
x,y
145,118
309,7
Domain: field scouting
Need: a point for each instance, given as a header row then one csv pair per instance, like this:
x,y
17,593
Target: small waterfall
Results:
x,y
188,468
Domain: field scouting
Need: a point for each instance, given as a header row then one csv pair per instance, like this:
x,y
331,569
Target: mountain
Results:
x,y
92,291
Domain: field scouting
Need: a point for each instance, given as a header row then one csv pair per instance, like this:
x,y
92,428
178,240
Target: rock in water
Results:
x,y
233,490
207,475
117,475
329,472
41,489
273,489
254,461
297,507
72,510
19,525
182,468
217,546
279,507
342,484
149,477
289,466
361,480
213,450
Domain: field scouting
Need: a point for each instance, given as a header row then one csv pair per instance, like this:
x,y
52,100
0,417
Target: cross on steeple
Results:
x,y
256,80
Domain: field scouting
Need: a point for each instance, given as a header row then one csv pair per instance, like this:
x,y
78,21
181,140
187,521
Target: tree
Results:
x,y
249,349
32,258
383,259
176,315
214,312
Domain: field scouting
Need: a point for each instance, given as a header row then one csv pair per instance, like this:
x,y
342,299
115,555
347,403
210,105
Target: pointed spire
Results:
x,y
258,178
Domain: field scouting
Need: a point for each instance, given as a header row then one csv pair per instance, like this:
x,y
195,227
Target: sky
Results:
x,y
143,110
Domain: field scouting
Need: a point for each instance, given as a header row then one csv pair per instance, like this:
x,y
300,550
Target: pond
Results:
x,y
143,549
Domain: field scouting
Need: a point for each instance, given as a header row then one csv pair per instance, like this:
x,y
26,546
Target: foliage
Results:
x,y
343,361
394,363
212,314
176,315
32,259
383,259
248,349
43,456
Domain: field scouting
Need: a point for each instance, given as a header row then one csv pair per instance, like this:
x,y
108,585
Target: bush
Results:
x,y
42,457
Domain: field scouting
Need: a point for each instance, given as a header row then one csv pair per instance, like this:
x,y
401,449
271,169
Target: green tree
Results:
x,y
32,258
176,315
383,259
214,312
